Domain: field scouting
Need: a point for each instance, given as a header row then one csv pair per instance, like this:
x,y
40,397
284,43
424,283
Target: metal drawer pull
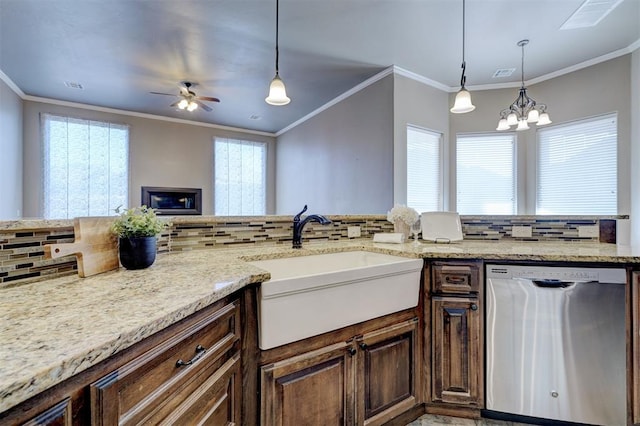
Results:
x,y
200,350
474,307
455,280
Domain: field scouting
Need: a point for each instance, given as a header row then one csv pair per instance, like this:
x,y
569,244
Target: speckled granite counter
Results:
x,y
56,328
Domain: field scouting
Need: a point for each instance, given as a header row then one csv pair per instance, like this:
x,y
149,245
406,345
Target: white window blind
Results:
x,y
240,177
577,168
485,174
86,167
424,169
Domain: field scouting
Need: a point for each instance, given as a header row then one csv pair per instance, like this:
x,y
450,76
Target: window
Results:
x,y
485,174
86,167
240,177
577,168
424,169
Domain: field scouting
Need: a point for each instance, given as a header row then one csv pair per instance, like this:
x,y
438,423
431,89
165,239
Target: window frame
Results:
x,y
515,172
45,147
441,161
265,173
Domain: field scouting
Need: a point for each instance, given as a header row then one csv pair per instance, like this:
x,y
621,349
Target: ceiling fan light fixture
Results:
x,y
277,92
462,103
192,106
183,104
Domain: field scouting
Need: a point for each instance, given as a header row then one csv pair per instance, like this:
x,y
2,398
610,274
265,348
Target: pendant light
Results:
x,y
463,103
523,110
277,92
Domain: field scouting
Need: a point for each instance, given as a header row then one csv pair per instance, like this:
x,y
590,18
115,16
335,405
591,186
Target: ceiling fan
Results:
x,y
188,98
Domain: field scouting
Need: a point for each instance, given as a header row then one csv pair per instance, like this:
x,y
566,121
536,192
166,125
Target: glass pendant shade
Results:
x,y
544,119
512,119
502,124
533,116
277,92
192,106
522,125
183,104
462,103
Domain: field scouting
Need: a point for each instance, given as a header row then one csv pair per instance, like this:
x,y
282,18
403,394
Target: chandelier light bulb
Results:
x,y
544,119
503,125
522,125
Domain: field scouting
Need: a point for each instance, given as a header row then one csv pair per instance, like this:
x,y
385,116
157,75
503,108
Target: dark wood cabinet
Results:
x,y
187,373
454,338
367,379
634,298
456,367
57,415
192,377
390,368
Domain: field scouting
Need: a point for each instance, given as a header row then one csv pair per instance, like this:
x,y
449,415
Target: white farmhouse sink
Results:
x,y
310,295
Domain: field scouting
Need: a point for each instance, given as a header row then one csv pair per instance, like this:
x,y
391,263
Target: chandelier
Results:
x,y
523,110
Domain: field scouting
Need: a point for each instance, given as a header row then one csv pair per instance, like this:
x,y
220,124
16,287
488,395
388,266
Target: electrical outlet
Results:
x,y
588,231
521,231
353,231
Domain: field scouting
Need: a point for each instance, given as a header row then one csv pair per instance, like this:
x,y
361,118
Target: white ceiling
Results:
x,y
120,50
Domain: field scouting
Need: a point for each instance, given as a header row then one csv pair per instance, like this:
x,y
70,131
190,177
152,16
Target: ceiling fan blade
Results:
x,y
160,93
203,106
175,104
207,98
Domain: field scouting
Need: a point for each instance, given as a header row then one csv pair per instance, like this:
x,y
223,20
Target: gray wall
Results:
x,y
161,153
420,105
592,91
341,160
11,154
635,148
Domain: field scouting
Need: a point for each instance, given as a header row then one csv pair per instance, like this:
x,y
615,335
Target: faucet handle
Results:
x,y
297,217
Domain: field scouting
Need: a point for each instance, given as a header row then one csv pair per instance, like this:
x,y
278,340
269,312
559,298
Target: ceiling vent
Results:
x,y
503,72
72,85
590,13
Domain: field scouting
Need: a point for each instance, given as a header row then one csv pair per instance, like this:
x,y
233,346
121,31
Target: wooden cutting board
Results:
x,y
95,246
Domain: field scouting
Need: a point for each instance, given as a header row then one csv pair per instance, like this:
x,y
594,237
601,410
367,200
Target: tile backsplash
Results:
x,y
22,243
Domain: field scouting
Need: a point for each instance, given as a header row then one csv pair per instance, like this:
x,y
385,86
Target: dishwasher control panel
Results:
x,y
603,275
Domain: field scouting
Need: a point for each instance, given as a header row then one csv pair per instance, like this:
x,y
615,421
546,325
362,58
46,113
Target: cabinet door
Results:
x,y
315,388
160,380
635,341
457,362
58,415
388,374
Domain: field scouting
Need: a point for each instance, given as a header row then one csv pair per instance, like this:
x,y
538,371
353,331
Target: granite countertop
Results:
x,y
54,329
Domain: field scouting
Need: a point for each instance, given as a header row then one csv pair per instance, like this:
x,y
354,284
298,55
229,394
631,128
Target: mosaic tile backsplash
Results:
x,y
22,253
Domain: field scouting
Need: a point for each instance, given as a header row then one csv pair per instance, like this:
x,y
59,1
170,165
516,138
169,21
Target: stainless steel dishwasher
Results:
x,y
556,344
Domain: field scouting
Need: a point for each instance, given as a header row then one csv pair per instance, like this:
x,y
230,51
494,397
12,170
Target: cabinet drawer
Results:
x,y
459,278
128,394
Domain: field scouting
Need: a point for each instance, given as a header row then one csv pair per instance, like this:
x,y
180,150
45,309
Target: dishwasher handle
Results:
x,y
550,283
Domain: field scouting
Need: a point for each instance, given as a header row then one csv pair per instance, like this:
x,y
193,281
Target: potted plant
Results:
x,y
137,229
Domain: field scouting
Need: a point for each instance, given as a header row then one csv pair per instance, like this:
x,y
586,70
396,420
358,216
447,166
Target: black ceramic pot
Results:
x,y
137,252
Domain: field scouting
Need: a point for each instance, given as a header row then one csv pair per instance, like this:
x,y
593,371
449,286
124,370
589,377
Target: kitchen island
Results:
x,y
54,329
